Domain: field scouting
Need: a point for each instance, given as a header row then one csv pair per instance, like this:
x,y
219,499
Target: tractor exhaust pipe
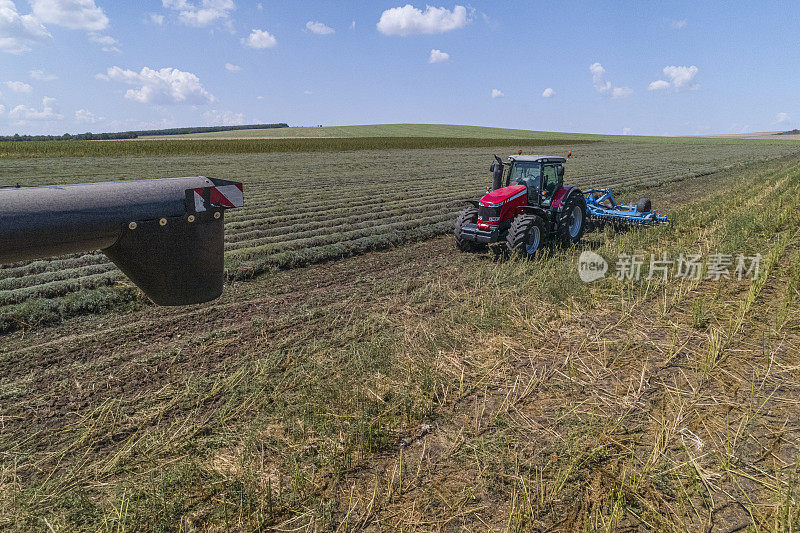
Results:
x,y
166,235
496,171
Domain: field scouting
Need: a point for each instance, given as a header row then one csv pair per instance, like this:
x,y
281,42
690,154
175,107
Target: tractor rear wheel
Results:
x,y
572,223
525,235
643,205
467,216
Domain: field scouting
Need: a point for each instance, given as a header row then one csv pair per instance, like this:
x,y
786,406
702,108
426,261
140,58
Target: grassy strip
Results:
x,y
36,149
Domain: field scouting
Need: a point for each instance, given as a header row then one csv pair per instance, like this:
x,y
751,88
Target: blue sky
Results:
x,y
651,68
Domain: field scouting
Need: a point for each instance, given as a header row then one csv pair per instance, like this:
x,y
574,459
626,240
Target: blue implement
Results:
x,y
601,207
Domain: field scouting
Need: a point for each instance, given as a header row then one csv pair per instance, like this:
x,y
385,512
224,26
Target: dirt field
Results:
x,y
423,389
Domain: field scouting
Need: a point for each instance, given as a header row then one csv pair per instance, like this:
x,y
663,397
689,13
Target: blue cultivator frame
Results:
x,y
602,208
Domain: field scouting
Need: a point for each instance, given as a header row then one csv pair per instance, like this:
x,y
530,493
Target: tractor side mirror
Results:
x,y
497,175
560,170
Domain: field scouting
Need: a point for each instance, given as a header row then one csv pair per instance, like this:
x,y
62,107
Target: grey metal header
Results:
x,y
154,230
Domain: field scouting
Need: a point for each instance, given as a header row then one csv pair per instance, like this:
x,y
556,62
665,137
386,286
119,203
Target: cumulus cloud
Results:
x,y
2,109
627,131
216,117
437,56
548,93
201,14
18,86
598,78
163,86
260,39
782,117
678,78
41,75
658,85
678,24
72,14
48,111
106,42
319,28
497,93
19,32
409,20
156,19
604,86
232,68
86,116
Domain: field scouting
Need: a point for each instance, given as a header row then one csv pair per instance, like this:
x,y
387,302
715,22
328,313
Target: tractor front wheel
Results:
x,y
467,216
573,219
525,236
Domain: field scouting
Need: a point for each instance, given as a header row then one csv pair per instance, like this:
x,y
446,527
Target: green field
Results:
x,y
359,374
388,130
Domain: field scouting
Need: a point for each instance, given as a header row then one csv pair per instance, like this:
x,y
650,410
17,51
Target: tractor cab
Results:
x,y
543,176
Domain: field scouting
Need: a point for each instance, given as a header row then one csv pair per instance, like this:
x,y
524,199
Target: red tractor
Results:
x,y
528,202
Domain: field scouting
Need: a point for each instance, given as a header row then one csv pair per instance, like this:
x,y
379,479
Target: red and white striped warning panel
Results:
x,y
227,196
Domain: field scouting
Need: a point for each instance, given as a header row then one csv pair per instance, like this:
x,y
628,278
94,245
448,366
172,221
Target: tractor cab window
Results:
x,y
549,181
525,173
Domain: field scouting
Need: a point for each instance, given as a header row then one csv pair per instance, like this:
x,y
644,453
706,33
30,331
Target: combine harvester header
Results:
x,y
166,235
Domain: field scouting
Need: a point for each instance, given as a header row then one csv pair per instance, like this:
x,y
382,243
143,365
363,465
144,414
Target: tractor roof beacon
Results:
x,y
528,203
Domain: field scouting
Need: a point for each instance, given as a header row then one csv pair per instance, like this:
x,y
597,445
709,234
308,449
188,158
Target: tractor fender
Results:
x,y
560,198
471,202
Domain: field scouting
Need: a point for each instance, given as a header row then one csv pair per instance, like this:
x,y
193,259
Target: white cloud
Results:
x,y
437,56
2,109
658,85
497,93
353,25
627,131
678,24
319,28
621,92
107,43
598,78
203,14
216,117
678,78
156,19
782,117
48,111
19,32
18,86
260,39
232,68
306,92
604,86
38,74
164,86
408,20
548,93
83,115
72,14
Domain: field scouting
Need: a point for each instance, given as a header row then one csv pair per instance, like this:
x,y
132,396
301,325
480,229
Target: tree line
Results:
x,y
89,136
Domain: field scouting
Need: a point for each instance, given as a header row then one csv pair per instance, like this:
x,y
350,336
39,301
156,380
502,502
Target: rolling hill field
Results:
x,y
361,374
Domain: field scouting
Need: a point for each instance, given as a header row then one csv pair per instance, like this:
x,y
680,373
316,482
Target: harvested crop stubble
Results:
x,y
304,208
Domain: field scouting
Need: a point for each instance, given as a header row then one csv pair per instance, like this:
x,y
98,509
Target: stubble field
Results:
x,y
304,208
416,387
